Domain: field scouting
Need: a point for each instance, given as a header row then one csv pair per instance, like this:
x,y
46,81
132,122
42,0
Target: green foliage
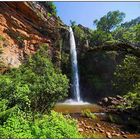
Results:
x,y
131,23
53,7
2,38
72,23
115,118
14,90
99,37
129,35
49,15
79,33
109,21
50,6
87,113
3,104
128,32
16,126
55,125
127,74
133,98
35,84
6,113
21,38
128,82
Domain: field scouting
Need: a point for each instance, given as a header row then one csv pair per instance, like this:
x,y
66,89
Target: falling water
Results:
x,y
75,75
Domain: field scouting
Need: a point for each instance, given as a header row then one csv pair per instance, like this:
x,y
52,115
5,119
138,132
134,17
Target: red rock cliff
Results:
x,y
23,27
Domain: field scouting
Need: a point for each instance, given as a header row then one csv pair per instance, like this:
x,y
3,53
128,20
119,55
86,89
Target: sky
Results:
x,y
86,12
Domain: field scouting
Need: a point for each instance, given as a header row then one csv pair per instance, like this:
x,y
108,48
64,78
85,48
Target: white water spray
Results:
x,y
75,74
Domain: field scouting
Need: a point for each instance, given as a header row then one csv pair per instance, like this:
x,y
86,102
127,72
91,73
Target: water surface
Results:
x,y
76,108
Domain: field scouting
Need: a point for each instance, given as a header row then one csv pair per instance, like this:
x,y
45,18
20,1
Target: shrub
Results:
x,y
36,84
16,126
133,98
87,113
54,125
127,74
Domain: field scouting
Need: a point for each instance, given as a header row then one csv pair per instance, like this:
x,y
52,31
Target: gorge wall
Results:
x,y
24,26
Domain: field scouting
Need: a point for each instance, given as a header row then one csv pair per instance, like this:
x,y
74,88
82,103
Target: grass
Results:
x,y
88,113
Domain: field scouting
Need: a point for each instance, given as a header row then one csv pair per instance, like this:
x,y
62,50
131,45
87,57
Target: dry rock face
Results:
x,y
24,26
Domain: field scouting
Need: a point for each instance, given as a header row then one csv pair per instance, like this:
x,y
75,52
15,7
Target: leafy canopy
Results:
x,y
109,21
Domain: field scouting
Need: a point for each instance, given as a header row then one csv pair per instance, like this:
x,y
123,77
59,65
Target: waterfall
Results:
x,y
75,74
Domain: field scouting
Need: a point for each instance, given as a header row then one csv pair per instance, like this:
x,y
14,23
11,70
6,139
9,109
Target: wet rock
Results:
x,y
96,129
110,98
114,102
122,133
80,129
88,127
98,125
90,131
108,135
105,99
119,97
84,125
124,136
101,130
116,134
100,103
113,131
127,133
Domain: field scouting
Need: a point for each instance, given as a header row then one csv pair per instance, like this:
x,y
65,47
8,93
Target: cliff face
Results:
x,y
24,26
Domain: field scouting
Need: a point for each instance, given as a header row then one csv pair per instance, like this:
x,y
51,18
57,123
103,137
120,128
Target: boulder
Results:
x,y
119,97
122,133
116,134
80,129
105,99
98,125
101,130
114,102
124,136
108,135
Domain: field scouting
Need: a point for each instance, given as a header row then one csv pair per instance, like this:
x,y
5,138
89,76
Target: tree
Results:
x,y
35,85
129,35
109,21
131,23
99,37
127,74
72,23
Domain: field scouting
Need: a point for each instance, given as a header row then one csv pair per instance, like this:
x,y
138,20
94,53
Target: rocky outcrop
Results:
x,y
110,102
24,26
118,46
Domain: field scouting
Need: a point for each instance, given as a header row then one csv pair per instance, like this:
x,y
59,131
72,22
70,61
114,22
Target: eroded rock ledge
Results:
x,y
24,26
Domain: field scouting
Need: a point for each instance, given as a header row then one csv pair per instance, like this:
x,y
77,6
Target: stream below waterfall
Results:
x,y
101,127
